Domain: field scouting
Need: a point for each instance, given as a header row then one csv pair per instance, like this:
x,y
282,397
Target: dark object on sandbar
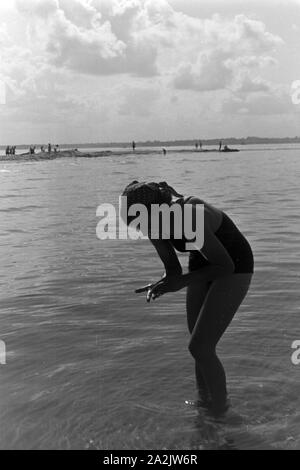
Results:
x,y
227,149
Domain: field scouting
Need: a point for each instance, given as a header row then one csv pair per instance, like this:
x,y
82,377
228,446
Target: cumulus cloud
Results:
x,y
272,101
231,47
145,38
121,52
208,74
246,84
252,62
83,49
96,37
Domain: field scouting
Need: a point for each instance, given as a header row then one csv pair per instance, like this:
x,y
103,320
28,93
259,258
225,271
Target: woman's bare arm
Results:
x,y
221,265
167,254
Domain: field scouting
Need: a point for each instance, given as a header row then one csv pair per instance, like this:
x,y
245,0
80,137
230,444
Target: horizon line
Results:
x,y
211,141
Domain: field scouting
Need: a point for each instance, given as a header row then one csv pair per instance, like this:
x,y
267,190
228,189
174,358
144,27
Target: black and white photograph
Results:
x,y
149,227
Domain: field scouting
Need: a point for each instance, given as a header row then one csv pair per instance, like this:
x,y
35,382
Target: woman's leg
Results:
x,y
220,304
195,297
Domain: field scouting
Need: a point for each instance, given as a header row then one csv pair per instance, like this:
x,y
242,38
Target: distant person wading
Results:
x,y
217,282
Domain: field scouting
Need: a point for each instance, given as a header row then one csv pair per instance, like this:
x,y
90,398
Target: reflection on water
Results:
x,y
89,363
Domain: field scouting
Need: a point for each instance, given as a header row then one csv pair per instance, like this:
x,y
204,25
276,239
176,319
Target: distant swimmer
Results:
x,y
218,280
49,148
164,151
220,145
200,145
196,145
133,146
7,150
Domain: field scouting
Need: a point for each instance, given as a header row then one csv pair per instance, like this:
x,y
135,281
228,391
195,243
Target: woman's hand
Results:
x,y
149,287
167,284
170,283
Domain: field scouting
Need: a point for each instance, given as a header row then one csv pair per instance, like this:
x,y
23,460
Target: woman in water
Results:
x,y
217,282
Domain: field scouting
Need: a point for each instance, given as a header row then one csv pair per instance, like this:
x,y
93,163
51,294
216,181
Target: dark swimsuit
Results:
x,y
233,241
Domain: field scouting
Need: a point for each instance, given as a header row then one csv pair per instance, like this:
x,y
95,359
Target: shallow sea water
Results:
x,y
89,363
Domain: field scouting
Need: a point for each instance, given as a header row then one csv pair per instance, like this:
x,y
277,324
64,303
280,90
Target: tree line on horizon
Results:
x,y
183,142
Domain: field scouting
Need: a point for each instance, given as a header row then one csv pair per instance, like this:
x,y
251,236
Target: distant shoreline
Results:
x,y
172,143
126,152
75,153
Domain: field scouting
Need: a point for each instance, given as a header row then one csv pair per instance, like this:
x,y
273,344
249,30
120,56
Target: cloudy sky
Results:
x,y
117,70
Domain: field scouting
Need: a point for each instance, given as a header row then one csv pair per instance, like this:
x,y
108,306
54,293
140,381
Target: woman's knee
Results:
x,y
191,322
201,350
194,300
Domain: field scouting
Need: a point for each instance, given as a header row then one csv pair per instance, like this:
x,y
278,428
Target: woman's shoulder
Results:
x,y
213,215
193,200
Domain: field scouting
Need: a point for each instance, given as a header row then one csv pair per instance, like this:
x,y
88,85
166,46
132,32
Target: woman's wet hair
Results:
x,y
149,193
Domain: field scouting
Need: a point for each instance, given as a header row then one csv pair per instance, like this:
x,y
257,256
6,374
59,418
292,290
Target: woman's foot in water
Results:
x,y
204,398
218,410
198,403
202,401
